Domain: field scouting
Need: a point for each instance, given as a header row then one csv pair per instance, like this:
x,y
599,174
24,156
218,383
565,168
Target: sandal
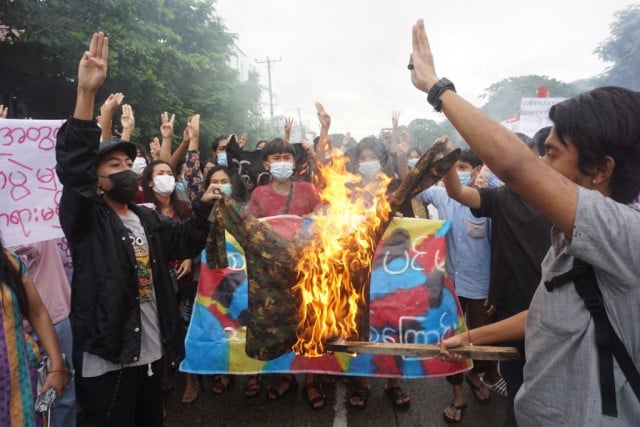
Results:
x,y
318,402
478,391
361,393
252,387
398,397
499,387
273,393
220,386
453,413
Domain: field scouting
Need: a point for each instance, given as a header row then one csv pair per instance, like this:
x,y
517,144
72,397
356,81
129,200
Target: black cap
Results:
x,y
117,144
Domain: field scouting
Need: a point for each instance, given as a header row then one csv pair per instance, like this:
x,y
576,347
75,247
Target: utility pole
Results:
x,y
268,62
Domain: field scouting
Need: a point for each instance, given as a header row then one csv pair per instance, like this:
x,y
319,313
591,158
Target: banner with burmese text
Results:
x,y
412,301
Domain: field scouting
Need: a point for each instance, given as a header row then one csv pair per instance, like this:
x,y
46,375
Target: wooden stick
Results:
x,y
477,352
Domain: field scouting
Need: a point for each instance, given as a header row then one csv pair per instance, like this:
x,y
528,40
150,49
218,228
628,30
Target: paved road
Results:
x,y
429,397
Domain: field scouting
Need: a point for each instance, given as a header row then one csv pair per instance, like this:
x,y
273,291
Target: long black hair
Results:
x,y
12,277
238,191
150,195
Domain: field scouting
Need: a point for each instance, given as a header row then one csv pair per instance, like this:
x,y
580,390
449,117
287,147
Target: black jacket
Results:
x,y
105,308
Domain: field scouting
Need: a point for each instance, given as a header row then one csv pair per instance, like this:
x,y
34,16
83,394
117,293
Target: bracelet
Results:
x,y
469,337
436,92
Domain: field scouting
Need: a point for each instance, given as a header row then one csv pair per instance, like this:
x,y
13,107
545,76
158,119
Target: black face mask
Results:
x,y
124,186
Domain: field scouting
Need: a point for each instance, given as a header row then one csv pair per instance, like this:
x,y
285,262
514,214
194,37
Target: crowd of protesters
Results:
x,y
522,215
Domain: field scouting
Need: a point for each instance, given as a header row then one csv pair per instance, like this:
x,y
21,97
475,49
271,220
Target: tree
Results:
x,y
423,132
503,98
623,50
165,55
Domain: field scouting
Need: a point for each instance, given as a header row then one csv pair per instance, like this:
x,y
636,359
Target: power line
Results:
x,y
268,62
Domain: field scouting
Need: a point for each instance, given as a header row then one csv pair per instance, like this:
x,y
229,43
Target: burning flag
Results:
x,y
312,288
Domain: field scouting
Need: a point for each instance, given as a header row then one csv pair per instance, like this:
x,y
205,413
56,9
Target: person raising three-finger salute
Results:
x,y
585,185
120,252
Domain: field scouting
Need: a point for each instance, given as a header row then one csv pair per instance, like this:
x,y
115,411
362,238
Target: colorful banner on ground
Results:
x,y
411,301
29,186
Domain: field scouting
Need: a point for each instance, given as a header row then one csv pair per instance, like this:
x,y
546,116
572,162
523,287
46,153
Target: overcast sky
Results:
x,y
352,55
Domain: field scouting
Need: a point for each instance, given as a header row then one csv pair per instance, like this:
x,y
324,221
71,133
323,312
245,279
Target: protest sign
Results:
x,y
29,188
411,301
534,114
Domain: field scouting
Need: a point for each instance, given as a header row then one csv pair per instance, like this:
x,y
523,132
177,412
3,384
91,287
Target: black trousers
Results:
x,y
128,397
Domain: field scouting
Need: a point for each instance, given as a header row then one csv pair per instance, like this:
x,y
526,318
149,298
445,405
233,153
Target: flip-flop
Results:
x,y
219,387
274,394
477,391
397,395
252,387
321,398
499,388
361,393
457,412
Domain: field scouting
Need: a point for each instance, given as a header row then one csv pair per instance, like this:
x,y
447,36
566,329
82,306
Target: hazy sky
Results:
x,y
352,55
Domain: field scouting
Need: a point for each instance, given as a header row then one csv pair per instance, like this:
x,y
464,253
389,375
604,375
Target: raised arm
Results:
x,y
92,71
193,169
179,152
554,195
107,109
324,142
128,122
166,130
288,124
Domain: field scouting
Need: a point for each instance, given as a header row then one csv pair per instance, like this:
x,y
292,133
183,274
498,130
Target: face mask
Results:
x,y
164,185
124,186
180,186
464,177
222,159
281,171
369,169
138,165
226,189
412,162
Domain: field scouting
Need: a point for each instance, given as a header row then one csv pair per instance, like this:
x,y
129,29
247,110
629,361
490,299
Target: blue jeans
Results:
x,y
63,414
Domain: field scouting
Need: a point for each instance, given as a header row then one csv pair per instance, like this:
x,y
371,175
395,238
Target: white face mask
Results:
x,y
369,169
281,171
164,185
412,162
139,163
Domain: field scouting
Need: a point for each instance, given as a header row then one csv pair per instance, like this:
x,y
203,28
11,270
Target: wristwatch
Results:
x,y
436,92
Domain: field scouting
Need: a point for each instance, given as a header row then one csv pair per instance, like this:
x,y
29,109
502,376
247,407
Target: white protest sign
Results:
x,y
29,188
534,114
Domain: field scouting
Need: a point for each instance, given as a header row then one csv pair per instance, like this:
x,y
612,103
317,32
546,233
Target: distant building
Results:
x,y
240,62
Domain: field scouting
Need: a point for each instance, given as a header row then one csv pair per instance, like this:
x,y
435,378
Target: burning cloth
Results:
x,y
303,290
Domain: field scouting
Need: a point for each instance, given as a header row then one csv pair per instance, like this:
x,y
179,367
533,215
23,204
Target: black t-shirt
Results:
x,y
520,238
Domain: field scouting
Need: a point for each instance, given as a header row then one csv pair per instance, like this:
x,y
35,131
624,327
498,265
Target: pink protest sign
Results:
x,y
29,188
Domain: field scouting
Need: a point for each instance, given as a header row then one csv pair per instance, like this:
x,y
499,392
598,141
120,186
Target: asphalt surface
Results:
x,y
429,397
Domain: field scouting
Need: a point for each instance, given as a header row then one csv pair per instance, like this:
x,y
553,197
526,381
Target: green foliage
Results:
x,y
623,50
503,98
165,55
423,132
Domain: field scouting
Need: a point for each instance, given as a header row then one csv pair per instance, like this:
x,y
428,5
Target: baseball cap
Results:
x,y
117,144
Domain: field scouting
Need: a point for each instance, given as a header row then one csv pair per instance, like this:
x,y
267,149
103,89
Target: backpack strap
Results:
x,y
607,341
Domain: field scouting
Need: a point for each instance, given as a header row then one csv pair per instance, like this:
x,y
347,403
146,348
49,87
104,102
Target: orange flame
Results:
x,y
343,244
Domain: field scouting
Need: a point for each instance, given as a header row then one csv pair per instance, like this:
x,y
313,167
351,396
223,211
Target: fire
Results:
x,y
343,245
